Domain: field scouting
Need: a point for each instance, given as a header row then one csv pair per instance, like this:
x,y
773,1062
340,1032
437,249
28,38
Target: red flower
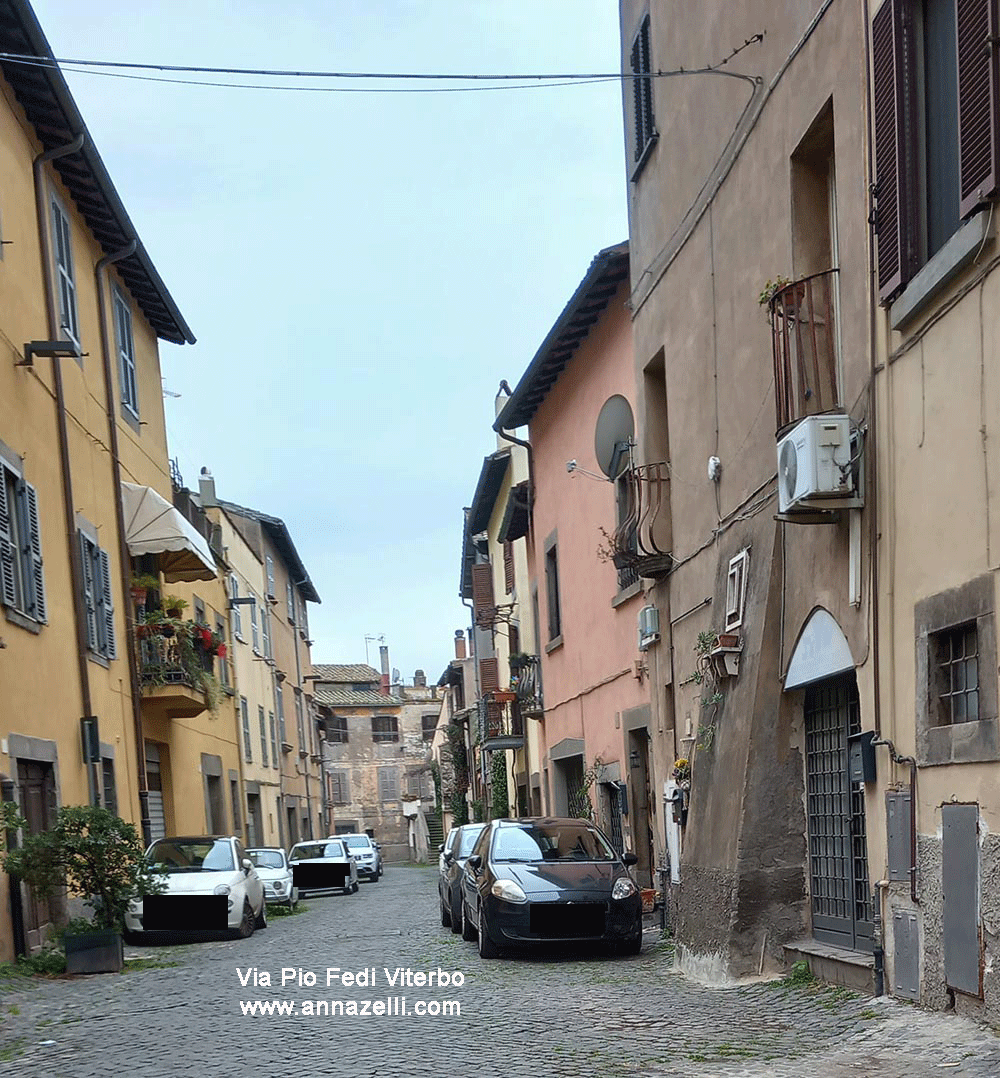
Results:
x,y
221,652
206,637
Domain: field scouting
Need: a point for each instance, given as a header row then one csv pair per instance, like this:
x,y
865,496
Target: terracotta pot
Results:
x,y
139,596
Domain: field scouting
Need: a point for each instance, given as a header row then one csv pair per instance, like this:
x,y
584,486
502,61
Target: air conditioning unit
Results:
x,y
815,465
649,627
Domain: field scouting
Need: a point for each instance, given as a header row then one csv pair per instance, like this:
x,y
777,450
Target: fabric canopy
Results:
x,y
154,526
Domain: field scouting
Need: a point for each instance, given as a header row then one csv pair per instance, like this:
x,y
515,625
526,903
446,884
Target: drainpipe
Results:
x,y
101,282
298,686
531,466
897,759
479,693
41,208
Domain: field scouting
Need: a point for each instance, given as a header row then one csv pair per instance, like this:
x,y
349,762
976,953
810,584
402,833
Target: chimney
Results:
x,y
206,488
419,679
384,686
459,643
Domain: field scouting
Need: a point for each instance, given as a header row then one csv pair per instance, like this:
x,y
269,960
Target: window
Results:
x,y
63,253
126,353
269,568
339,786
279,698
21,577
274,739
254,632
235,617
388,784
428,724
245,717
220,628
552,592
642,93
300,721
336,729
265,624
736,589
234,794
508,566
98,606
956,675
385,728
935,135
108,783
263,734
625,532
290,601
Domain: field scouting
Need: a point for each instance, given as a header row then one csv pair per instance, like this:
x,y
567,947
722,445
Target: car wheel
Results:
x,y
487,948
245,931
376,876
357,886
260,921
131,937
293,899
347,889
445,915
456,920
633,945
380,871
468,932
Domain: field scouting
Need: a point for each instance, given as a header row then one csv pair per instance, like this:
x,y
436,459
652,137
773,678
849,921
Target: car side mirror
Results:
x,y
475,862
629,859
449,857
247,865
441,848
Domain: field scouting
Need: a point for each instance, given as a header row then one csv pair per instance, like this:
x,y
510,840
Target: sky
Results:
x,y
360,269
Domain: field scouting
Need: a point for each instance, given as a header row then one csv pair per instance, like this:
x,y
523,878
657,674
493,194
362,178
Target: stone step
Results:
x,y
837,965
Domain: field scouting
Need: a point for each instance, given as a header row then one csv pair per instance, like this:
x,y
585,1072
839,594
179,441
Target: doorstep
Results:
x,y
838,965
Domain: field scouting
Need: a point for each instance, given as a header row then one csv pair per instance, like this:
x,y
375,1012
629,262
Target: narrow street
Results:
x,y
554,1015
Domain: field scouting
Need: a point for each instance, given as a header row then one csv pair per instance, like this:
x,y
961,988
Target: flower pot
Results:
x,y
139,596
174,612
99,951
729,640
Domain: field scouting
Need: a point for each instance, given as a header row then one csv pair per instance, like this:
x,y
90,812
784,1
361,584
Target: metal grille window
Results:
x,y
263,734
956,659
126,353
245,722
97,598
22,584
642,92
336,729
385,728
63,253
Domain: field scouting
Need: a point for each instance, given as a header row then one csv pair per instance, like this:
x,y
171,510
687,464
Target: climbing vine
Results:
x,y
705,676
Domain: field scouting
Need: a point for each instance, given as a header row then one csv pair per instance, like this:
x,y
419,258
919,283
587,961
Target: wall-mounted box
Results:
x,y
861,756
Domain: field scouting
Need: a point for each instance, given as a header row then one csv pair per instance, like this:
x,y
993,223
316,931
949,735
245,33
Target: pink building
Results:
x,y
576,399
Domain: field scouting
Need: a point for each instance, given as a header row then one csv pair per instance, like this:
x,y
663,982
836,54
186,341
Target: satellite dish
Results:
x,y
613,434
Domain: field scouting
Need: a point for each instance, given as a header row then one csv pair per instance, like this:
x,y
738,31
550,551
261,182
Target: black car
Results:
x,y
549,880
455,849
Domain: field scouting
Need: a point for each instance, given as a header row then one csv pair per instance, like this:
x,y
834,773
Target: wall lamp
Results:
x,y
242,601
53,349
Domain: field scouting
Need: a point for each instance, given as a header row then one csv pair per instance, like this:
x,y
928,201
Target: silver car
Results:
x,y
276,875
366,852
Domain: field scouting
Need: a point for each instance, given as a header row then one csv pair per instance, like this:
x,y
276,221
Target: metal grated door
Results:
x,y
838,851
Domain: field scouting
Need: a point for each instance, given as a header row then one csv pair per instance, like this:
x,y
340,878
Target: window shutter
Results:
x,y
977,102
489,675
890,167
8,555
110,650
637,100
269,563
483,604
508,566
38,609
235,620
89,591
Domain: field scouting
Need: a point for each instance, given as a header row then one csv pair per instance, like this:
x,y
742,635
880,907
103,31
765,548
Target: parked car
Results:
x,y
209,883
322,866
454,850
549,880
367,853
276,875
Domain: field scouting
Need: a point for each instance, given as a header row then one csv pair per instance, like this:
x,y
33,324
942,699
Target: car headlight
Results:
x,y
508,891
278,888
222,889
623,888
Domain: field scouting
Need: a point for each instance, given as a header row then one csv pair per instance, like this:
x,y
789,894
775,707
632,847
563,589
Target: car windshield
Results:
x,y
191,855
551,842
267,858
359,842
468,840
309,851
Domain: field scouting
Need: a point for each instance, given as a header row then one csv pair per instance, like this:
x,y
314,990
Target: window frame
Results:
x,y
385,736
22,574
337,731
245,723
98,596
65,274
125,343
644,133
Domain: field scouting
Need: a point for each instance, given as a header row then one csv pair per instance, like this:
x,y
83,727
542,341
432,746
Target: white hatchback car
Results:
x,y
276,874
209,883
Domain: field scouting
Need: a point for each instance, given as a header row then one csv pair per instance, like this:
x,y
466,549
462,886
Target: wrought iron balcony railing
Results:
x,y
501,723
804,341
635,549
527,683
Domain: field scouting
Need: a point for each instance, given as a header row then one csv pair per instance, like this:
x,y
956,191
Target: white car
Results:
x,y
322,866
276,874
209,883
366,852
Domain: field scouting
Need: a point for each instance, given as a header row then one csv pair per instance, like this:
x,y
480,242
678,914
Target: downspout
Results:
x,y
479,692
100,282
41,208
298,687
531,466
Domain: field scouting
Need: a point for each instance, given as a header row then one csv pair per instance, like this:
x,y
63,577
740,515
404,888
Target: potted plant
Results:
x,y
92,853
141,584
174,606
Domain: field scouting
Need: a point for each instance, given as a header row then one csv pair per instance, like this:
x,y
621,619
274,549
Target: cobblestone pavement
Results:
x,y
560,1015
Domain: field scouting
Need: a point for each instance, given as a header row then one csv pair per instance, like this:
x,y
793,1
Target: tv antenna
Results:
x,y
368,640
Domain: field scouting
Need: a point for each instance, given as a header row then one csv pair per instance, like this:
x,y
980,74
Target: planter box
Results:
x,y
99,951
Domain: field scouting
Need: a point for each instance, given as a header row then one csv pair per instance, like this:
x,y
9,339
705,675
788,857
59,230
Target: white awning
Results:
x,y
154,526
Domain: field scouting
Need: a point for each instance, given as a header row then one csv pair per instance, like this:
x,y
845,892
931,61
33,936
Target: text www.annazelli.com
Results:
x,y
390,1006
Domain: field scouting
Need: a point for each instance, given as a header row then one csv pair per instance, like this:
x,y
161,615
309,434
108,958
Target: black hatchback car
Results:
x,y
549,880
454,851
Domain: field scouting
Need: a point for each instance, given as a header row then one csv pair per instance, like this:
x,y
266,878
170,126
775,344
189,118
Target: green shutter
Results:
x,y
8,553
108,606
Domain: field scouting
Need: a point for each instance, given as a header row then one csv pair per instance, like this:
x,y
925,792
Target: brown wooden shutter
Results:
x,y
483,604
489,675
890,166
977,102
508,566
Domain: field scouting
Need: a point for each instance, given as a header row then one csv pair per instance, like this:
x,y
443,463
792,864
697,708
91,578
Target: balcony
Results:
x,y
525,680
177,669
501,722
804,340
634,547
